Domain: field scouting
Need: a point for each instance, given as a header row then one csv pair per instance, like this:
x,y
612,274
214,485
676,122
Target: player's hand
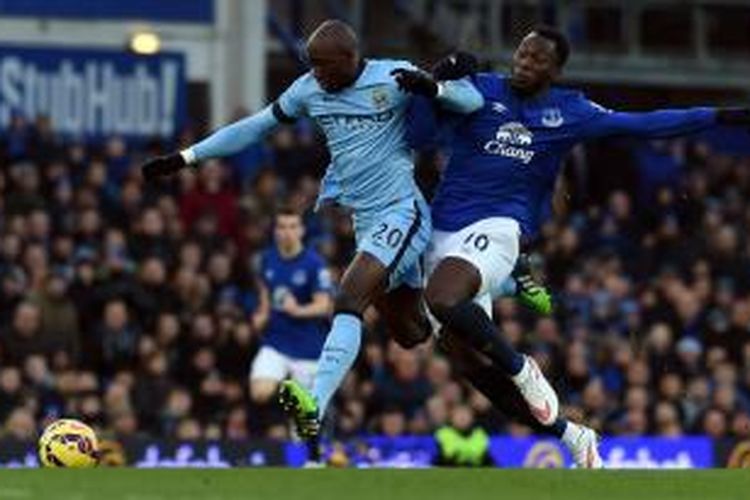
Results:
x,y
415,82
455,66
733,116
290,305
162,166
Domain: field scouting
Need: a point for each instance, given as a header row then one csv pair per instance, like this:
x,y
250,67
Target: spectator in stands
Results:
x,y
118,337
58,315
461,443
25,337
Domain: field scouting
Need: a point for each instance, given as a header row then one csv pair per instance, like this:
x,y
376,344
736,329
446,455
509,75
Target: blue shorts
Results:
x,y
398,238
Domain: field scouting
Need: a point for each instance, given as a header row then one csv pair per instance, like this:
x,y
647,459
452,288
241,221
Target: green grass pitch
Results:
x,y
380,484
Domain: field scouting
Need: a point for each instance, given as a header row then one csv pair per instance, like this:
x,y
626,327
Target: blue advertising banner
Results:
x,y
153,453
89,94
532,452
406,452
164,10
375,451
617,453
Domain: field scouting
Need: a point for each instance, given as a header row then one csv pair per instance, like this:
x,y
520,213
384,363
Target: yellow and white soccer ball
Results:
x,y
68,443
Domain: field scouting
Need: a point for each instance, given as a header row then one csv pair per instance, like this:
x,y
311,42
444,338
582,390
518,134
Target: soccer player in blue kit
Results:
x,y
299,287
361,110
504,161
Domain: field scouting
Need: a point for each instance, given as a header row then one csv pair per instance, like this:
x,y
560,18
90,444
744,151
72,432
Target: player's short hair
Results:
x,y
288,210
337,31
554,35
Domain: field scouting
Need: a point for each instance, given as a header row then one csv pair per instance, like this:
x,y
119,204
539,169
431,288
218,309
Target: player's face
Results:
x,y
534,64
288,231
333,69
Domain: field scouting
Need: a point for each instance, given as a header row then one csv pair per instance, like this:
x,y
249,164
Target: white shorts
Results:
x,y
490,245
270,364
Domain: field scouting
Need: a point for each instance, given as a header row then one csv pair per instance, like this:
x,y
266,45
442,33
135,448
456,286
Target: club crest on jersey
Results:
x,y
552,117
380,98
510,139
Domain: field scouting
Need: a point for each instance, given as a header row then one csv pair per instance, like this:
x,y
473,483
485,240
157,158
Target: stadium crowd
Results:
x,y
135,308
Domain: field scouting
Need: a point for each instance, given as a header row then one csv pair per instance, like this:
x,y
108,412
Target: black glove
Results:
x,y
162,166
455,66
733,116
415,82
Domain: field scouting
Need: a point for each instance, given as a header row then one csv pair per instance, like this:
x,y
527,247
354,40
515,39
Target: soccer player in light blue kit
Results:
x,y
361,110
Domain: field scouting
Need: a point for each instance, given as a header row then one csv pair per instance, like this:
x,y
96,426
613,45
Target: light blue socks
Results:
x,y
339,353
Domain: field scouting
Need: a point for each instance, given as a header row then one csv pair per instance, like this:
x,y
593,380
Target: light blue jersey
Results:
x,y
371,168
364,124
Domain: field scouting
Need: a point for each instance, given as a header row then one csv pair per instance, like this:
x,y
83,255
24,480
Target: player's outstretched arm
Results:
x,y
459,96
662,123
224,142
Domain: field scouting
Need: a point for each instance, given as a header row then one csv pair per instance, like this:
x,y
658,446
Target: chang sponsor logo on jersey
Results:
x,y
509,142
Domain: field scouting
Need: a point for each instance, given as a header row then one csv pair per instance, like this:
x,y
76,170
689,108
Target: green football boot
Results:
x,y
529,291
299,404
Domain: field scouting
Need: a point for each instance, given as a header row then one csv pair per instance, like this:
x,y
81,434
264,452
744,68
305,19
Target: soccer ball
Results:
x,y
68,443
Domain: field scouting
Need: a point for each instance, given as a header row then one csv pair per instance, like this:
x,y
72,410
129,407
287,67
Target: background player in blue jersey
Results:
x,y
505,159
299,287
361,111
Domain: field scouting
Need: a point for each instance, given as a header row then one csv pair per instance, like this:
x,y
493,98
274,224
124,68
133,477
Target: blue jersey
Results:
x,y
303,276
506,156
364,125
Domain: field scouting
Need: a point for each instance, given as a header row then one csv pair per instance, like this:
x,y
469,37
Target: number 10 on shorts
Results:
x,y
478,241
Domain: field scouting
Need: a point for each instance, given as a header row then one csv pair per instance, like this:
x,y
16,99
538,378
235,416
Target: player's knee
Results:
x,y
262,391
441,303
